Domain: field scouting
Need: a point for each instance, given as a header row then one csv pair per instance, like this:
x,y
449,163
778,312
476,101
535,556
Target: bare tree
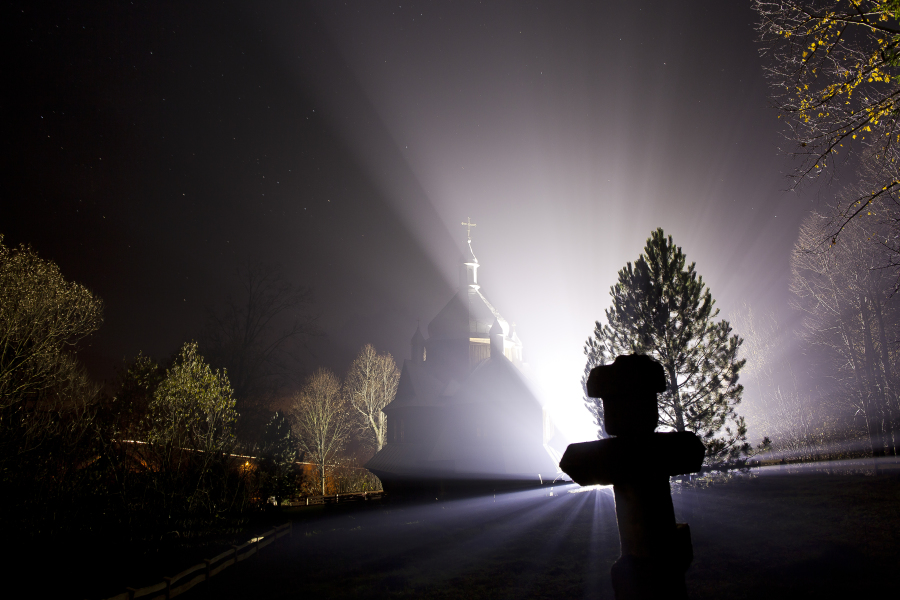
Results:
x,y
257,337
371,385
760,350
847,317
321,420
834,67
782,414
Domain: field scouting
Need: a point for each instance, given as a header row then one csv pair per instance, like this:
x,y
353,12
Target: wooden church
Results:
x,y
464,418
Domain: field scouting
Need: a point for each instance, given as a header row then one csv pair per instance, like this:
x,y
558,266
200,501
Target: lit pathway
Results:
x,y
773,537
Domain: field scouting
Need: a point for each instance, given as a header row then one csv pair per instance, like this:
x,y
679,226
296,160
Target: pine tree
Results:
x,y
277,453
662,308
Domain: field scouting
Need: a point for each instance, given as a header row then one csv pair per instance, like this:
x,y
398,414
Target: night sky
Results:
x,y
150,148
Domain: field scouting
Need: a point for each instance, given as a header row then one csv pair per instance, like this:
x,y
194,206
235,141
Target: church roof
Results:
x,y
494,379
498,379
482,457
419,387
468,314
417,338
496,329
453,320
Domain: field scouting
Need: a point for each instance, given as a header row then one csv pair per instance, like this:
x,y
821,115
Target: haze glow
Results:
x,y
568,134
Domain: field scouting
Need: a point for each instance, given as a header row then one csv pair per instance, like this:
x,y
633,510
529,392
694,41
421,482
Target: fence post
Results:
x,y
168,581
131,592
235,548
208,569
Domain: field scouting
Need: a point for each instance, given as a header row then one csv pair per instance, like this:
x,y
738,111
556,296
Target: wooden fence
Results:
x,y
334,499
170,587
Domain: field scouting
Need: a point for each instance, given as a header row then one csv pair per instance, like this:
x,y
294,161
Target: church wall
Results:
x,y
513,352
478,351
414,424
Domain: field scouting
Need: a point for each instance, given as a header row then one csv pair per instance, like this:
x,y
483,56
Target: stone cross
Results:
x,y
638,463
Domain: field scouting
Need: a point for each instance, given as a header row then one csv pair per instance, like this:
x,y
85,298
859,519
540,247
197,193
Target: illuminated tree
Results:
x,y
50,478
42,318
850,321
321,420
193,407
834,72
172,461
371,385
661,308
188,432
781,412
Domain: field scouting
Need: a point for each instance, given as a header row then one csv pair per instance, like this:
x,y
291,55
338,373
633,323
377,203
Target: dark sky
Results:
x,y
150,148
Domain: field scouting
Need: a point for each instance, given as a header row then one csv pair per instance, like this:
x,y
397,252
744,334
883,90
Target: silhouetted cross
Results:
x,y
469,225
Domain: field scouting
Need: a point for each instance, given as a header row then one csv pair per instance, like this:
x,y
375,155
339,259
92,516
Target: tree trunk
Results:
x,y
889,391
857,375
676,399
873,389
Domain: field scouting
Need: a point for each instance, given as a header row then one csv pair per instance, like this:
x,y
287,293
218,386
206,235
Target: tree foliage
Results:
x,y
181,464
321,420
138,382
371,385
42,318
277,455
192,407
833,67
179,475
661,307
50,478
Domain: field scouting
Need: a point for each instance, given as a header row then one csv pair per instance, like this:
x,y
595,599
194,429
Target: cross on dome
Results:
x,y
469,225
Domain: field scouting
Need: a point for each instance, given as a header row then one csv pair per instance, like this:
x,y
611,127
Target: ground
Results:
x,y
782,534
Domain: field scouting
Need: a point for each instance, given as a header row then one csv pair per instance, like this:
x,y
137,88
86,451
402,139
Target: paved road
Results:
x,y
785,535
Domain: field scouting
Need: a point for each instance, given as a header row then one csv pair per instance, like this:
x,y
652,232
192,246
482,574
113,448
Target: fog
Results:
x,y
156,148
567,134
